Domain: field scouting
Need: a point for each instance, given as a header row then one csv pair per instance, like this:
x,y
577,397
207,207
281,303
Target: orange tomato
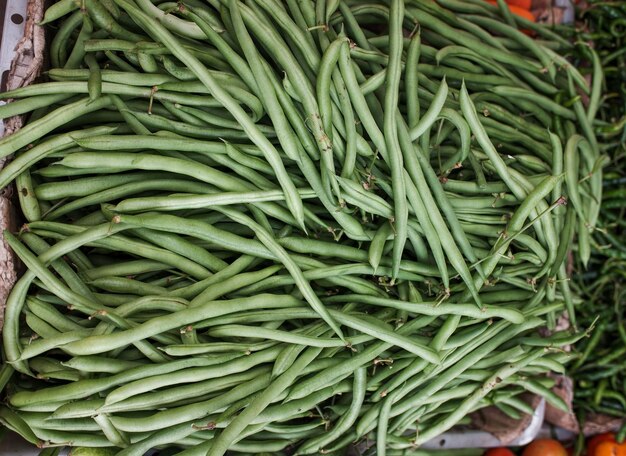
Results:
x,y
518,11
593,442
610,449
524,4
545,447
499,452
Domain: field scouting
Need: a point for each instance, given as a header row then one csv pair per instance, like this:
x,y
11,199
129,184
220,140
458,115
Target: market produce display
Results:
x,y
293,226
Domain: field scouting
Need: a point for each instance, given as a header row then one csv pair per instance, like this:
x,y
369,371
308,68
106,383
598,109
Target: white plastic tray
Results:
x,y
480,439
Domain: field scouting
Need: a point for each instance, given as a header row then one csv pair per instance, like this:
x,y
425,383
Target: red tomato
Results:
x,y
545,447
499,452
593,442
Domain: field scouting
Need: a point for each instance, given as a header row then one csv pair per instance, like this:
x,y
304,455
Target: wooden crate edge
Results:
x,y
26,66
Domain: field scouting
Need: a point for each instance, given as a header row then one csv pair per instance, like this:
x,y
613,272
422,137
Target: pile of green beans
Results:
x,y
267,227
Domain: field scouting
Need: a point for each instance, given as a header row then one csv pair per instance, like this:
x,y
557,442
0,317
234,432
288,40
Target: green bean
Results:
x,y
51,315
99,364
198,410
178,202
135,124
412,79
354,141
359,102
205,118
291,408
105,20
18,107
279,252
288,355
123,243
410,375
550,397
120,63
543,102
231,330
123,77
373,83
49,279
251,130
171,22
77,87
512,32
78,52
457,368
39,327
128,142
448,211
230,433
226,347
506,13
235,61
94,83
435,308
182,247
147,62
46,124
427,226
114,436
58,10
14,422
355,194
391,135
234,283
58,51
448,244
102,343
129,268
149,400
324,80
156,122
17,297
26,194
349,224
79,439
91,386
42,420
151,162
124,285
490,384
466,39
131,188
378,243
469,113
330,375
